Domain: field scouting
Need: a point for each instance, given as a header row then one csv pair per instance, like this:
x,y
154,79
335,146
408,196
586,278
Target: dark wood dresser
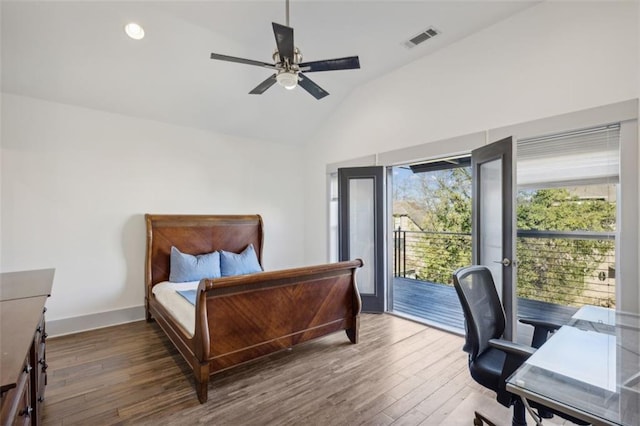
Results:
x,y
23,362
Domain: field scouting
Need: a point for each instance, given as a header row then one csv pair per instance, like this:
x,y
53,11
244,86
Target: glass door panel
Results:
x,y
490,204
493,221
361,230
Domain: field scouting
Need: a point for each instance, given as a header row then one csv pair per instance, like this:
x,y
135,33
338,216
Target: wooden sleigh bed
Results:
x,y
241,318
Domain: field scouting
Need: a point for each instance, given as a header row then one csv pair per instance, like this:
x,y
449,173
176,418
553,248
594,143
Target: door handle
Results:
x,y
504,262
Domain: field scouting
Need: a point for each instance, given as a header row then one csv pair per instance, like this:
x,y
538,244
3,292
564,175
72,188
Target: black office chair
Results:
x,y
491,359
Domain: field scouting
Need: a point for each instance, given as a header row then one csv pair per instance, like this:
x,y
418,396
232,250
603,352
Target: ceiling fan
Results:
x,y
288,64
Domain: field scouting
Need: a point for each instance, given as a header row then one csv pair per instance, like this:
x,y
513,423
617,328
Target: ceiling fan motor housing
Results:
x,y
297,58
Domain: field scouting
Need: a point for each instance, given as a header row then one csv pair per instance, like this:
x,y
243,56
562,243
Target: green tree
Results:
x,y
554,269
549,269
446,220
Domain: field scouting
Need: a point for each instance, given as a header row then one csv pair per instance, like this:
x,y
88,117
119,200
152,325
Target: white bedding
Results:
x,y
179,308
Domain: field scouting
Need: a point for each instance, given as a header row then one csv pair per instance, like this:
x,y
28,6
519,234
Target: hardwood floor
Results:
x,y
401,372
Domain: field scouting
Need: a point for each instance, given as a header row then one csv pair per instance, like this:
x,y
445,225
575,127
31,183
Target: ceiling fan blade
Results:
x,y
349,63
284,41
262,87
308,85
242,61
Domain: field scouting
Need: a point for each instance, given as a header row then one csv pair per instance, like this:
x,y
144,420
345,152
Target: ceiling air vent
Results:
x,y
422,37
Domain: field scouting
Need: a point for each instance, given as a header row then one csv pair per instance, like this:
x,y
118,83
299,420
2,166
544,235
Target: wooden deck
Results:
x,y
438,304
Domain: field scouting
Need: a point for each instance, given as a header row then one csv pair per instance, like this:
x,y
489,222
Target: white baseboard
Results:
x,y
78,324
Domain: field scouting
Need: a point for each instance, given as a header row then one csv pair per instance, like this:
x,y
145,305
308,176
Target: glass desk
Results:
x,y
589,369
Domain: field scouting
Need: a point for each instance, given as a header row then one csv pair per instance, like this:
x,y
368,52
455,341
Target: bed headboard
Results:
x,y
196,234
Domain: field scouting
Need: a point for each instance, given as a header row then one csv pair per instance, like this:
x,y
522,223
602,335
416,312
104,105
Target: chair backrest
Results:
x,y
481,305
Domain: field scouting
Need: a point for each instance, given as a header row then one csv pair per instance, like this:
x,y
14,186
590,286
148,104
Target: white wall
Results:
x,y
553,58
77,182
638,79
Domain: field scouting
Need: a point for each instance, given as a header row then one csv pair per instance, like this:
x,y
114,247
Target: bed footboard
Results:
x,y
242,318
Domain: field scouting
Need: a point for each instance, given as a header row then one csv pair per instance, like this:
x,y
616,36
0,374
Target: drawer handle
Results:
x,y
39,329
44,364
41,399
26,412
44,337
27,369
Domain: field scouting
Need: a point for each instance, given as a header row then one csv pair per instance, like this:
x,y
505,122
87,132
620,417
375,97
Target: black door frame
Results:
x,y
503,150
376,302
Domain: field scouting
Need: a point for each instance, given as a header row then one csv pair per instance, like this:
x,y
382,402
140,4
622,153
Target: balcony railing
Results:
x,y
567,268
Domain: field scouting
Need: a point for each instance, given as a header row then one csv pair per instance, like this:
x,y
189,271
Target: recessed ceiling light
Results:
x,y
134,31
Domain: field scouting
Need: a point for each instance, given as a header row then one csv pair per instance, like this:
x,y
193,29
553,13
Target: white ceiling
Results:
x,y
77,53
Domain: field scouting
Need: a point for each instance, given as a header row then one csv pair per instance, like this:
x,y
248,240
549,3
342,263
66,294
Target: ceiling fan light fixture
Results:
x,y
287,79
134,30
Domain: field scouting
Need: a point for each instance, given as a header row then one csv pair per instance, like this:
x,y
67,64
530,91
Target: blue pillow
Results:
x,y
239,264
186,267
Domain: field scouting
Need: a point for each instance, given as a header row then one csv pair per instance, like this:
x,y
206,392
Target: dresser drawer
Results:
x,y
40,379
39,372
23,364
42,366
40,335
16,403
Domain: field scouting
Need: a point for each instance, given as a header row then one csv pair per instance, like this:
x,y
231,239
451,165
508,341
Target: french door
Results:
x,y
494,221
361,230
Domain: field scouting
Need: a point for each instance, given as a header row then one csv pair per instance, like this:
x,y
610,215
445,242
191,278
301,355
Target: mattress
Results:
x,y
180,309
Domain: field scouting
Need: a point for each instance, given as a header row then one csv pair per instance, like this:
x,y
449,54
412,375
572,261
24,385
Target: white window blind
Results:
x,y
584,157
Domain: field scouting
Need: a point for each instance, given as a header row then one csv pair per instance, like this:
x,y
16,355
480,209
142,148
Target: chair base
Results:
x,y
519,413
519,416
518,419
480,420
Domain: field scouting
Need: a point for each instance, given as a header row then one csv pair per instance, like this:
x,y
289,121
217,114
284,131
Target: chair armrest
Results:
x,y
536,322
541,329
516,355
511,348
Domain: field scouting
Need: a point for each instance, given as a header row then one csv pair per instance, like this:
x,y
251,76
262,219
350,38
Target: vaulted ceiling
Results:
x,y
78,53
